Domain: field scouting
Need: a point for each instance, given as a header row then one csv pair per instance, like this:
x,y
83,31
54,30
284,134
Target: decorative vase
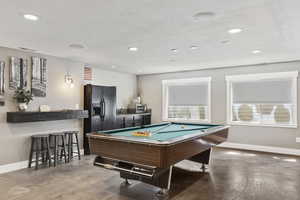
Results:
x,y
22,107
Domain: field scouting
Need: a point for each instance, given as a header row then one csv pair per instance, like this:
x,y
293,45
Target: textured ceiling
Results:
x,y
108,28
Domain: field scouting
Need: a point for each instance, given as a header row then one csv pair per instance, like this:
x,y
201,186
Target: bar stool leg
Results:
x,y
64,147
48,151
77,144
69,147
72,144
31,152
37,153
43,150
55,151
61,154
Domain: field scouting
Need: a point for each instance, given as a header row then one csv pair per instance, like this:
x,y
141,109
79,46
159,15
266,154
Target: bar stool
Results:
x,y
41,147
71,135
58,146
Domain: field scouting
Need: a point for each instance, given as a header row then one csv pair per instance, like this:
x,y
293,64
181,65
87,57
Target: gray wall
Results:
x,y
150,87
126,84
15,138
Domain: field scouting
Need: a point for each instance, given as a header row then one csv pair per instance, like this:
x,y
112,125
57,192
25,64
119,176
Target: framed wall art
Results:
x,y
39,79
18,73
2,86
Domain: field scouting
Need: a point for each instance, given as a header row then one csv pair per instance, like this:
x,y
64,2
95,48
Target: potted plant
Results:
x,y
23,98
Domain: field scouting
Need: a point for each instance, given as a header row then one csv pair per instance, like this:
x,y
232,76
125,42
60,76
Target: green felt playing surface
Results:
x,y
162,132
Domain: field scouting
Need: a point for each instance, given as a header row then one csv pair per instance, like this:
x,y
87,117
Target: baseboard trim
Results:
x,y
13,166
19,165
268,149
81,152
279,150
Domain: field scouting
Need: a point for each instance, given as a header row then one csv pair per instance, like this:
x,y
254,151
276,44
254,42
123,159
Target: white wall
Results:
x,y
150,88
15,138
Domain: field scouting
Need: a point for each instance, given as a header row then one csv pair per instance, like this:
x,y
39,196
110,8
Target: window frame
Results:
x,y
186,81
293,75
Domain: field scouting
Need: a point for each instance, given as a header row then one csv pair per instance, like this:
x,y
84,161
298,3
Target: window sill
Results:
x,y
262,125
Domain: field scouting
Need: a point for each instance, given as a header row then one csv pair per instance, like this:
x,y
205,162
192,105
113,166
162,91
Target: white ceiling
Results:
x,y
108,28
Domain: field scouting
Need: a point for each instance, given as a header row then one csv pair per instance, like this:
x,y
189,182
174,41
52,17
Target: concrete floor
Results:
x,y
234,175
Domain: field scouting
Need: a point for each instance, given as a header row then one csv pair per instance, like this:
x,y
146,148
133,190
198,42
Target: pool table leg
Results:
x,y
203,158
126,183
170,177
204,168
165,191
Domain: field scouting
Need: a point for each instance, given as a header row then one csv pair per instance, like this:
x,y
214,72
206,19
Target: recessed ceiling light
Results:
x,y
193,47
133,49
174,50
256,51
76,46
27,49
203,15
235,30
113,66
31,17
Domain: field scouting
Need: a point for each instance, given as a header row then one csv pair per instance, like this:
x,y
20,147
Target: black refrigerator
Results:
x,y
100,101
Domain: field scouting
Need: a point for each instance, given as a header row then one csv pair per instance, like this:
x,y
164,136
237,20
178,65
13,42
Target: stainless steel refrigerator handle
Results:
x,y
101,108
104,108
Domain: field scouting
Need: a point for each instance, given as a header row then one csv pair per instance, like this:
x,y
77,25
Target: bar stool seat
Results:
x,y
58,146
40,146
71,135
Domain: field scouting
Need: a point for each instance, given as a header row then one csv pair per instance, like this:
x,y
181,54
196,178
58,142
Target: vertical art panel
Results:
x,y
39,80
17,73
2,66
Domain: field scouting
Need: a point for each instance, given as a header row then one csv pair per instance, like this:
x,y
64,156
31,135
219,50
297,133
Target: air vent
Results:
x,y
76,46
204,15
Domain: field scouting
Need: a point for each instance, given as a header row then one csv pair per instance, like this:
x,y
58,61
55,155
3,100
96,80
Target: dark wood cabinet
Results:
x,y
147,119
120,122
131,120
137,120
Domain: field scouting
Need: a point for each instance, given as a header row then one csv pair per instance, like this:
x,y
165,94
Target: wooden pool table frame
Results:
x,y
155,154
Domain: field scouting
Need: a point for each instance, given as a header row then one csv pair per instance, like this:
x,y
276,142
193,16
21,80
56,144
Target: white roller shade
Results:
x,y
188,95
263,91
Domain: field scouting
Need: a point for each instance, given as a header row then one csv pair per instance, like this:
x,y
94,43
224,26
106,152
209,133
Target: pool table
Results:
x,y
150,159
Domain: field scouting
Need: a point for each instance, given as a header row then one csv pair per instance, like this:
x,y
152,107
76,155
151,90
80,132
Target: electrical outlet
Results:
x,y
298,139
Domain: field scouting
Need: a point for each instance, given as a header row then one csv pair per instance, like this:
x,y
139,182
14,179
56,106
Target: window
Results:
x,y
268,99
186,99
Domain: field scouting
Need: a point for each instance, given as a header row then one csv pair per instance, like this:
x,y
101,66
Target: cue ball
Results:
x,y
182,126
